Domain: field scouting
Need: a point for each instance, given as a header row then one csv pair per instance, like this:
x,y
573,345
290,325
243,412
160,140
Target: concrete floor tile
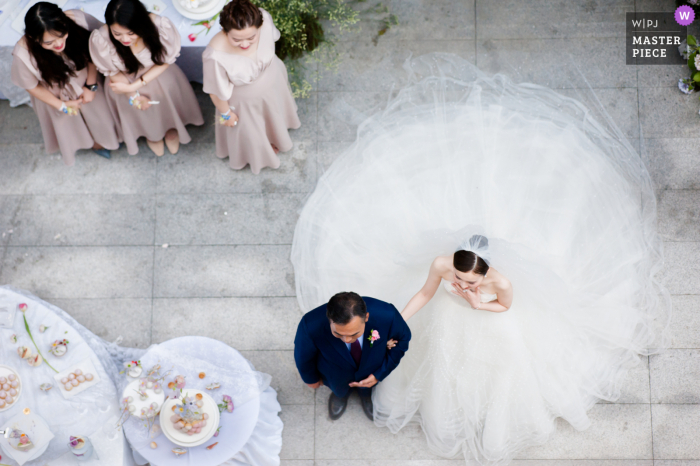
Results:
x,y
537,19
660,75
679,215
328,152
110,319
339,113
621,104
20,125
27,170
84,220
675,376
677,463
80,272
669,163
196,169
370,67
227,218
298,434
681,272
436,19
617,431
664,112
340,439
635,387
285,377
246,324
297,463
307,109
676,430
558,63
223,271
443,462
684,329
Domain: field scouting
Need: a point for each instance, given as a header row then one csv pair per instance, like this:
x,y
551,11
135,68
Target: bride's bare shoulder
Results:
x,y
500,281
442,263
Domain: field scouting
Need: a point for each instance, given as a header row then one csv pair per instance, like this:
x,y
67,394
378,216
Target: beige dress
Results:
x,y
259,92
178,105
67,133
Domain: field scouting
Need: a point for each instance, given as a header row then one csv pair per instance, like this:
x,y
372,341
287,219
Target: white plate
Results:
x,y
131,390
4,372
184,440
18,22
199,15
37,430
86,366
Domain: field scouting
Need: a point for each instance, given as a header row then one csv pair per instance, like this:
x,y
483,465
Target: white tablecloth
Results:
x,y
190,59
250,435
92,413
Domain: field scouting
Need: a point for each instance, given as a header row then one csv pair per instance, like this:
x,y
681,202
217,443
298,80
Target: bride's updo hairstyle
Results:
x,y
239,15
468,261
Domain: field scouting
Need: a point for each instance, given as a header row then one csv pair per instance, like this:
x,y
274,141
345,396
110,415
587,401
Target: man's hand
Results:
x,y
369,382
316,385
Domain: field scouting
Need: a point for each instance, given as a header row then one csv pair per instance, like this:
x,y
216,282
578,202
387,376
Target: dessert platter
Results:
x,y
10,387
26,436
77,378
198,9
190,420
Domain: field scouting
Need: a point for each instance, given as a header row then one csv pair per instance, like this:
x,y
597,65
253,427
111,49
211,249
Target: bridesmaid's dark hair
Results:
x,y
467,261
132,15
47,17
240,14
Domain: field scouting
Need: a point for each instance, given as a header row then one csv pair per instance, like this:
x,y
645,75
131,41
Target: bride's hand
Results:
x,y
472,297
390,344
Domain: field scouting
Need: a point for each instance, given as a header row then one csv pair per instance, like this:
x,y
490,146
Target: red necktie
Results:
x,y
356,351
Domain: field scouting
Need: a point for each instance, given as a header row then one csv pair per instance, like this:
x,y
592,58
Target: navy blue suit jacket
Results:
x,y
319,355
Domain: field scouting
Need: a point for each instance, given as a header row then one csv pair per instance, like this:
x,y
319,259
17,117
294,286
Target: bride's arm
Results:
x,y
503,301
427,292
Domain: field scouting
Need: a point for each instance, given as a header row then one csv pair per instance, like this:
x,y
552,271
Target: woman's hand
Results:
x,y
390,344
231,122
141,102
87,96
123,88
72,105
472,297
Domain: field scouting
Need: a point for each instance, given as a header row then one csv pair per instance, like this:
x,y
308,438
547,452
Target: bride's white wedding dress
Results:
x,y
570,215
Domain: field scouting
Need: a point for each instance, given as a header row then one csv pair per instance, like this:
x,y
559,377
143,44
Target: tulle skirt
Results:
x,y
570,214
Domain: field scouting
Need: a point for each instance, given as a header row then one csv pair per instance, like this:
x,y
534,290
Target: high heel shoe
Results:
x,y
173,144
103,152
157,147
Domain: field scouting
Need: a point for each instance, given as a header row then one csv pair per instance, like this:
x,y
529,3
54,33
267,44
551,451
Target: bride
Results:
x,y
551,295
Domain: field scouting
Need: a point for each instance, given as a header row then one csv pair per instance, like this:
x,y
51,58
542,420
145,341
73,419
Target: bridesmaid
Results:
x,y
137,51
52,62
249,87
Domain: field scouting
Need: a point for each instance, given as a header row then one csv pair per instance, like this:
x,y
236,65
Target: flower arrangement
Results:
x,y
303,39
689,50
374,336
226,404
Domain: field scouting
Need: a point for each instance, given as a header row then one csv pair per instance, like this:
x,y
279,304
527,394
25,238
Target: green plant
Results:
x,y
691,83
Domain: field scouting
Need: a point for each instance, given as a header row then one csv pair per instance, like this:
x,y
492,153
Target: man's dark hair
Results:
x,y
344,306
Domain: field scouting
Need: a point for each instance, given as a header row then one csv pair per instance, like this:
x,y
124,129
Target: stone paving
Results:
x,y
92,238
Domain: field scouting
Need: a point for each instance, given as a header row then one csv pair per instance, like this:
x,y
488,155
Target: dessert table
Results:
x,y
190,59
249,435
90,411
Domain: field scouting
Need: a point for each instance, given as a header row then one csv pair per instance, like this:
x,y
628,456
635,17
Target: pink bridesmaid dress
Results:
x,y
61,132
258,90
178,105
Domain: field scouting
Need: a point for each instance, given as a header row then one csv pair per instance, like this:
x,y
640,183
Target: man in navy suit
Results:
x,y
343,345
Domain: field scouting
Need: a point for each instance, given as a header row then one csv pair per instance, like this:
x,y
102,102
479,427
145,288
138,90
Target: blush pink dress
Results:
x,y
258,90
61,132
178,105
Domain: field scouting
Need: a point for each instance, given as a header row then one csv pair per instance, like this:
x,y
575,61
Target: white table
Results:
x,y
250,435
190,59
92,413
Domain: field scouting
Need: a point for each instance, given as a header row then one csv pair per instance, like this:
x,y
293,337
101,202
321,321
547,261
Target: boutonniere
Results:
x,y
374,336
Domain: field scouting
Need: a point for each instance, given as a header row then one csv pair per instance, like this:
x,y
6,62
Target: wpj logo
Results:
x,y
654,38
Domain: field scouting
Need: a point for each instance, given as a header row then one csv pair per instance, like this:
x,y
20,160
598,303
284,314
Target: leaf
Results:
x,y
696,77
691,40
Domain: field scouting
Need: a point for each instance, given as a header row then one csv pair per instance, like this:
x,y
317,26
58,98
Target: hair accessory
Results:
x,y
479,245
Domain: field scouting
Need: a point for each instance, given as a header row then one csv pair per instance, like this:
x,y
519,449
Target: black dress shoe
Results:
x,y
336,406
368,407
